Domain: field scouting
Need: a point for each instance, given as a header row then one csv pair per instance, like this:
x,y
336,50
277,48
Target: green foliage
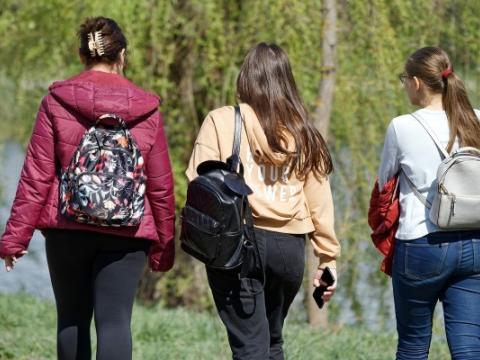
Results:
x,y
189,52
28,332
21,315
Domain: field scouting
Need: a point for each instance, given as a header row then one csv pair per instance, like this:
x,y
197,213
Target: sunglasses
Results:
x,y
403,76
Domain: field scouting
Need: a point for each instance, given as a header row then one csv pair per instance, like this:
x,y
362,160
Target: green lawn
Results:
x,y
27,331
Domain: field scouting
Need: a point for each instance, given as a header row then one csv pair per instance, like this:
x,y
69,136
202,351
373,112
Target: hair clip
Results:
x,y
96,44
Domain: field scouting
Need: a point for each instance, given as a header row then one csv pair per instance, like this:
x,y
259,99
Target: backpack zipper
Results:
x,y
452,205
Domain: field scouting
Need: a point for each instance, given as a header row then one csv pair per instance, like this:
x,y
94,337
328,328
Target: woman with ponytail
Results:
x,y
429,264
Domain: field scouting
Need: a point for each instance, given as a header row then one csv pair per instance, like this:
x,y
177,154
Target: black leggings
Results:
x,y
94,273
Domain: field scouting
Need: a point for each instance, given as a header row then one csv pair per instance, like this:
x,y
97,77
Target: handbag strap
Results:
x,y
234,160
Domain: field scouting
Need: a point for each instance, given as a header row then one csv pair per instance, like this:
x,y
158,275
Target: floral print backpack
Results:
x,y
105,182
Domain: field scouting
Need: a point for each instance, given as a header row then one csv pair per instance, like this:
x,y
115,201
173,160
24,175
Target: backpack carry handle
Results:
x,y
117,118
467,150
120,122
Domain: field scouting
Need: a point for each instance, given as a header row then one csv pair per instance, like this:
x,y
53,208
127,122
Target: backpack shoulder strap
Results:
x,y
444,153
417,193
431,134
237,137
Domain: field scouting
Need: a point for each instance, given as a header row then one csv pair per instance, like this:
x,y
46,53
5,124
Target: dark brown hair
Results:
x,y
433,66
266,83
113,38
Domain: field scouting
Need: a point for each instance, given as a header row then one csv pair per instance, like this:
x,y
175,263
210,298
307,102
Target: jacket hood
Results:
x,y
258,142
94,93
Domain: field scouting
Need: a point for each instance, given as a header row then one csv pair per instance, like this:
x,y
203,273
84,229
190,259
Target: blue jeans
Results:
x,y
441,266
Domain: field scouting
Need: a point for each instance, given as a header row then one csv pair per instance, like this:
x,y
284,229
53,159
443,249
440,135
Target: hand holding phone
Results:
x,y
327,278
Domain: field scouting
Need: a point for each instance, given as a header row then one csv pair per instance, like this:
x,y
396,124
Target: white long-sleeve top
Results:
x,y
409,147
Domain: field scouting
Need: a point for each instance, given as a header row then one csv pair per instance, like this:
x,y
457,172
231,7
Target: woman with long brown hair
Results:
x,y
286,164
430,264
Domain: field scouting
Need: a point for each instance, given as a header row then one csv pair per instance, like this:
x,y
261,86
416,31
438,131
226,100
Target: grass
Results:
x,y
27,332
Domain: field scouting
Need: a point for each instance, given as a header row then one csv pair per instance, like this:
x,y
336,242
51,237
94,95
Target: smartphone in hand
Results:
x,y
327,277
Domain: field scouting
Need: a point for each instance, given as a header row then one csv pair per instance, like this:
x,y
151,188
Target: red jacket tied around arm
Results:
x,y
383,216
70,108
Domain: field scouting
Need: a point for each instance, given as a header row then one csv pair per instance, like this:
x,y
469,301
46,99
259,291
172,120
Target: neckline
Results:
x,y
432,111
100,72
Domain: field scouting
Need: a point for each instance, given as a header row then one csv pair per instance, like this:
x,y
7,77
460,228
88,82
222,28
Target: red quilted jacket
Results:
x,y
69,109
383,216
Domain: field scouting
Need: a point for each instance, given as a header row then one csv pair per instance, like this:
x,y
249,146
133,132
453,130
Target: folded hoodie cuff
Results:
x,y
160,258
8,248
327,261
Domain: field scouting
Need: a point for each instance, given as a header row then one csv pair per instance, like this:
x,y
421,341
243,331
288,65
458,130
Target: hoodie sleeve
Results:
x,y
320,203
206,147
161,197
35,180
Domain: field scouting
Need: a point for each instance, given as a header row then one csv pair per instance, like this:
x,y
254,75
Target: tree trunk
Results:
x,y
323,110
321,119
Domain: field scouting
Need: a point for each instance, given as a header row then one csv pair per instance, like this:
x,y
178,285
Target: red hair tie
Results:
x,y
446,73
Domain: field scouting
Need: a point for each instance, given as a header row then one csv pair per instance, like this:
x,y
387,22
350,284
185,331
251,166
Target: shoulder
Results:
x,y
46,104
97,81
224,116
220,119
403,125
399,129
140,94
401,121
221,114
397,124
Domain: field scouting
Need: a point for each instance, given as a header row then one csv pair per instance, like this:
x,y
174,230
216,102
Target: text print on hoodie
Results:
x,y
289,205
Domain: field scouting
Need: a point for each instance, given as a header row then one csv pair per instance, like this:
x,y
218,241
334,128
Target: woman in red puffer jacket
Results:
x,y
94,270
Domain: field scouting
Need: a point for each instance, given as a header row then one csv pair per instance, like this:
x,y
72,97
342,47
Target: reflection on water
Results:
x,y
31,273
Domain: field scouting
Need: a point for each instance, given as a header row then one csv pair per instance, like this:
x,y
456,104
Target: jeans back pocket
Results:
x,y
476,255
423,261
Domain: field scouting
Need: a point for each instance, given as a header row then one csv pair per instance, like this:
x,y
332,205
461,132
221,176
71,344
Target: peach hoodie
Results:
x,y
281,204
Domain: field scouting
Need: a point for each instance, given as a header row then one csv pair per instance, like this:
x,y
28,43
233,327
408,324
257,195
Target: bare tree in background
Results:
x,y
321,119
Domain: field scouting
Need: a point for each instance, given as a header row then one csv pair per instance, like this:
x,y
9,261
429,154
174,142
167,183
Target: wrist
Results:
x,y
327,262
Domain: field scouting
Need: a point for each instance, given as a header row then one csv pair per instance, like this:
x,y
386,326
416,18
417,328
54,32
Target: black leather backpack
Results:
x,y
217,224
